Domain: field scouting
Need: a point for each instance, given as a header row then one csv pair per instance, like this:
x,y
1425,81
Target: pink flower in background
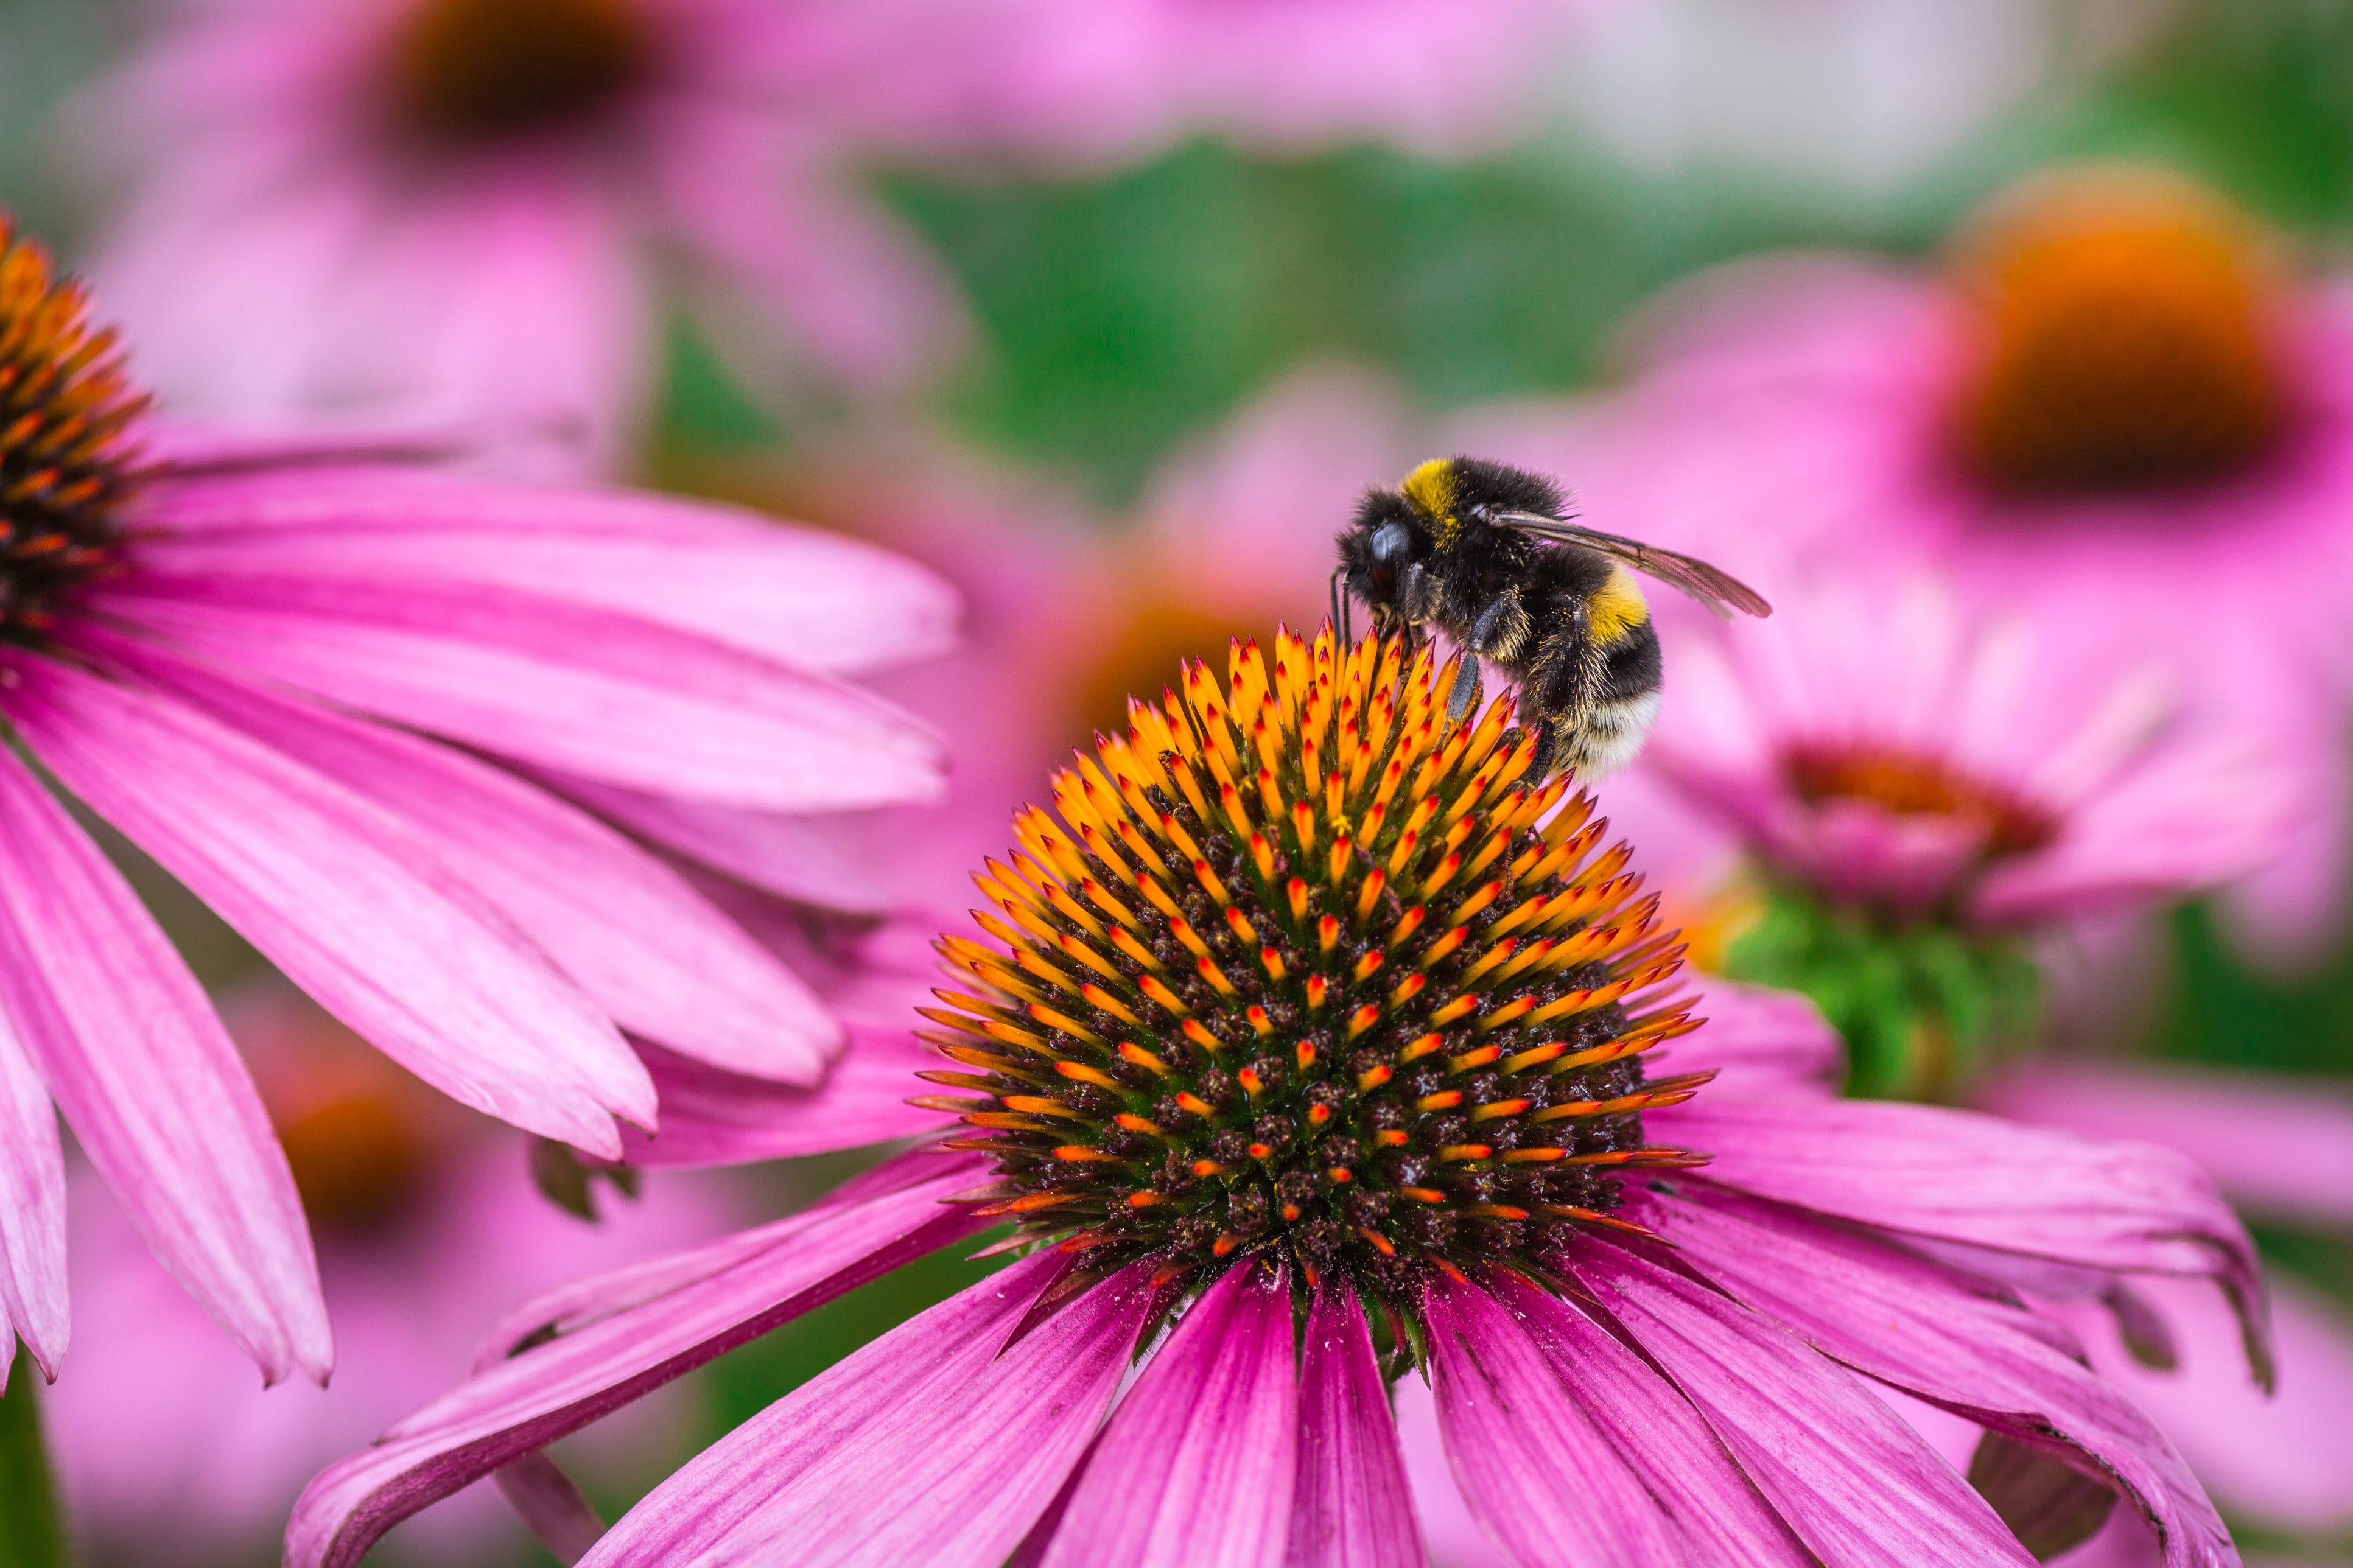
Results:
x,y
1079,80
427,1228
253,666
483,208
2117,404
1885,747
1285,1125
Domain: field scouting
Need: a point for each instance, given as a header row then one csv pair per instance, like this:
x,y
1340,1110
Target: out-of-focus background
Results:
x,y
1111,329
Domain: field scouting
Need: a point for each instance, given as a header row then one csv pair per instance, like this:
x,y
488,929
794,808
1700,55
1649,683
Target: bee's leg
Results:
x,y
1501,628
1465,695
1413,592
1340,607
1547,743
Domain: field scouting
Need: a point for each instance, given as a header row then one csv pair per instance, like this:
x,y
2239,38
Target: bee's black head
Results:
x,y
1439,498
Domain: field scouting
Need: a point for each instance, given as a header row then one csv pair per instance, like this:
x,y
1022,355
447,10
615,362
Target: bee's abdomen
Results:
x,y
1608,734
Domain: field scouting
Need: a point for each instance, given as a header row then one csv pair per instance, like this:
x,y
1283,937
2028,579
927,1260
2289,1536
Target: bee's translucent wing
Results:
x,y
1710,585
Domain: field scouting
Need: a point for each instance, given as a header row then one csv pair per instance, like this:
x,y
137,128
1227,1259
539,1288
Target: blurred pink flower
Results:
x,y
248,662
2116,406
428,1228
1665,1407
1880,744
469,209
1080,81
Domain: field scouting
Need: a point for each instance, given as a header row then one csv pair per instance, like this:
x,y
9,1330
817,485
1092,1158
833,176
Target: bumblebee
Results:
x,y
1487,554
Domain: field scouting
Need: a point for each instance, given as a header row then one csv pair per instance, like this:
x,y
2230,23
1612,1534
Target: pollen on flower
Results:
x,y
1306,969
467,71
65,406
1911,785
2123,338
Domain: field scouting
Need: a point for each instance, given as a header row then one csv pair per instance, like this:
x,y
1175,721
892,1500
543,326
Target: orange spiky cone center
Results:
x,y
1303,969
65,408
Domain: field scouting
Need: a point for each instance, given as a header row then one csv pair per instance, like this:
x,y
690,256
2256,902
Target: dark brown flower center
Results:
x,y
355,1161
65,473
2122,340
1911,785
1306,969
469,71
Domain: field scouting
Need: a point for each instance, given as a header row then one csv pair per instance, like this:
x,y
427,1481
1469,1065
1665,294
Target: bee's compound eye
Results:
x,y
1392,541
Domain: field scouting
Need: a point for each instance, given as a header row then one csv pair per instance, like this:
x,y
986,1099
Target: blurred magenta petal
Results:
x,y
828,860
118,1031
1951,1175
1853,1482
1197,1464
32,1212
1938,1340
1351,1507
550,1505
586,690
522,1404
1571,1451
387,938
944,1438
627,929
712,1117
2276,1145
804,598
1760,1040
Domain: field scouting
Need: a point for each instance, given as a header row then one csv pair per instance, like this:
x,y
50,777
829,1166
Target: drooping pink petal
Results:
x,y
32,1213
830,861
790,593
1197,1467
1957,1176
645,946
1351,1507
710,1117
1855,1483
353,906
633,1334
582,689
118,1029
935,1444
550,1505
1893,1315
1573,1454
2274,1145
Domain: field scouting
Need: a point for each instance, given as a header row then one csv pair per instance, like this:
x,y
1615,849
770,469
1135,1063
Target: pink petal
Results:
x,y
1956,1176
645,946
2274,1145
797,595
1196,1469
621,1336
1857,1485
827,860
32,1214
1571,1452
352,905
1903,1319
936,1444
156,1093
1760,1041
584,690
710,1117
1351,1507
550,1504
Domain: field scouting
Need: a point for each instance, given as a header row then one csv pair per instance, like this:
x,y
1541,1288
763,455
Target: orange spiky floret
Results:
x,y
1361,996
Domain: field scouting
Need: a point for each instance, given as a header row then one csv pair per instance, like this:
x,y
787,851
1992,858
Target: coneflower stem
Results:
x,y
32,1529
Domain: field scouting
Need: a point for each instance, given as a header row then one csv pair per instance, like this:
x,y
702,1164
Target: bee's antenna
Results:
x,y
1340,607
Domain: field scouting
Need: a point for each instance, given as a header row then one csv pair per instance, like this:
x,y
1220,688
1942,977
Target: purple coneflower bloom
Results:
x,y
248,664
2117,402
1312,1011
461,207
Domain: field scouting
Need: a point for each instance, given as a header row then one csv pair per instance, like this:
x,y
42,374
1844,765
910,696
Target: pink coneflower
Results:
x,y
472,207
1312,1009
426,1226
1922,789
1079,80
248,665
2117,401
